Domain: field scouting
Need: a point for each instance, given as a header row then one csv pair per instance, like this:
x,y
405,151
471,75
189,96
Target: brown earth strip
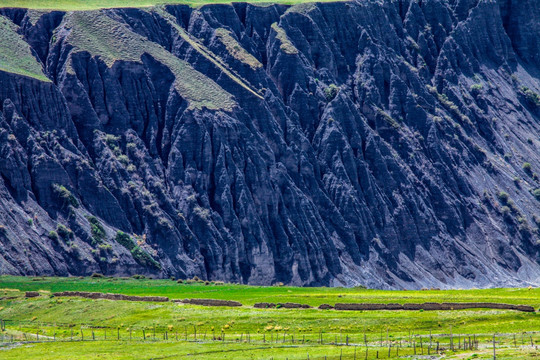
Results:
x,y
209,302
325,307
96,295
289,305
264,305
433,306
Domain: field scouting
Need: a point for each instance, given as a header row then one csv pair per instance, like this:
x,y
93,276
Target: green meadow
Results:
x,y
49,327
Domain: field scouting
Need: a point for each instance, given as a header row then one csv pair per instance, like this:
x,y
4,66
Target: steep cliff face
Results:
x,y
384,143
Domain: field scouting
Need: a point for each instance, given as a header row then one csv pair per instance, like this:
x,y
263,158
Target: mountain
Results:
x,y
390,144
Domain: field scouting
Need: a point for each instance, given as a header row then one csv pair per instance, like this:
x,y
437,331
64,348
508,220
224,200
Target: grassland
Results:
x,y
190,330
15,54
236,50
99,35
74,5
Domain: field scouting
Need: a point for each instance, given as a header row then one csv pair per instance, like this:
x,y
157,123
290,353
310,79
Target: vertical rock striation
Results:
x,y
388,144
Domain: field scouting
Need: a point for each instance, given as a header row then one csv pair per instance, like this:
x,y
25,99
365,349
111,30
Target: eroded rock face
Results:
x,y
388,144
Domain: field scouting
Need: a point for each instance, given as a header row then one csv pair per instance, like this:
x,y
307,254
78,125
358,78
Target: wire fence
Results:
x,y
371,345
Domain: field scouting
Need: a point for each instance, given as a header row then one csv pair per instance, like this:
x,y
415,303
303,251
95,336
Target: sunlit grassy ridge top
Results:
x,y
15,54
74,5
248,295
99,35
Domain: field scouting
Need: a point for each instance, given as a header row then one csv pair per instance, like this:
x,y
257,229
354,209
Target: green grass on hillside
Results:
x,y
99,35
15,54
236,50
73,5
286,45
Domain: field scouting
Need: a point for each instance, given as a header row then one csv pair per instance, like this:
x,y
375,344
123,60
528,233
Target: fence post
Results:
x,y
494,351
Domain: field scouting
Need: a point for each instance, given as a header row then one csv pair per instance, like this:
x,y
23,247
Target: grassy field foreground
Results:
x,y
144,330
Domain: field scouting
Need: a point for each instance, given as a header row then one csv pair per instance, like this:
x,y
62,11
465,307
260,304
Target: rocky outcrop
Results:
x,y
388,144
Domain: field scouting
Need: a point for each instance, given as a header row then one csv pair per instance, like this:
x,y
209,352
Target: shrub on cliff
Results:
x,y
53,235
527,167
532,98
331,92
65,196
64,232
125,240
98,232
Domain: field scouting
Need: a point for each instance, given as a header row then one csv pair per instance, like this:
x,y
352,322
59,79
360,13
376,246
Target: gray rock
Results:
x,y
373,145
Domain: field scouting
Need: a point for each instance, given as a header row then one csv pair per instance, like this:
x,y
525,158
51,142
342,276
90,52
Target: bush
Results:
x,y
143,258
65,196
139,277
527,167
105,247
125,240
536,193
111,140
476,89
30,222
98,232
503,197
123,159
506,212
97,275
532,98
64,232
331,92
3,230
53,235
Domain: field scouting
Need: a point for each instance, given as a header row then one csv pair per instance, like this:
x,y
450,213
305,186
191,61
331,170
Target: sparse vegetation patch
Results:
x,y
15,54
